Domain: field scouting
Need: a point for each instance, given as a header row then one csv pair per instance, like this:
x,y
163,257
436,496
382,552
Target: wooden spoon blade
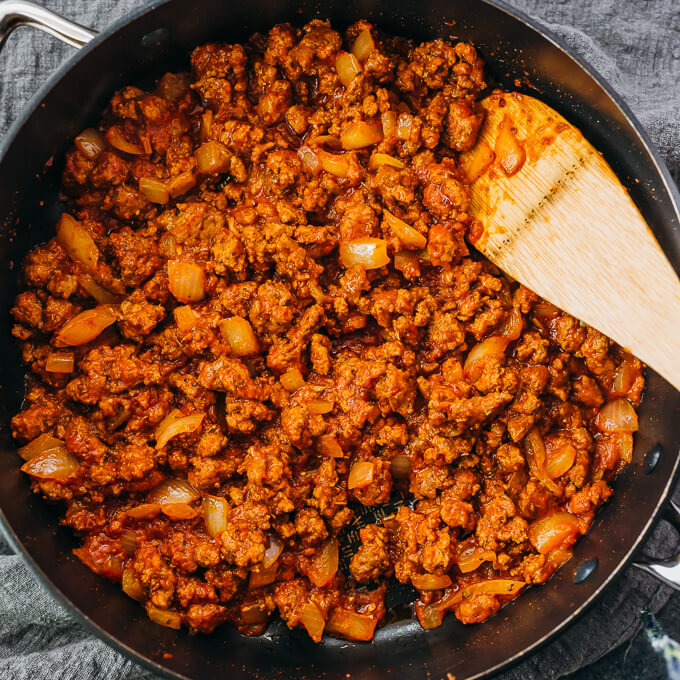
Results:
x,y
556,218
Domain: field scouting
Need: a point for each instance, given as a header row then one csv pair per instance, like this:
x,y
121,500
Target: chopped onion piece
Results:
x,y
400,466
216,511
496,586
429,615
617,416
239,335
479,160
378,159
347,67
536,458
407,262
254,613
77,242
181,184
132,586
312,619
510,153
185,318
90,142
175,424
626,446
186,281
360,134
41,444
363,45
129,542
512,328
624,378
320,406
325,564
553,532
331,140
491,587
336,164
310,159
408,236
430,581
55,463
144,511
178,511
404,124
493,346
350,625
85,326
115,138
100,294
164,617
328,446
212,157
360,475
154,190
59,362
559,459
173,491
273,551
471,559
389,122
264,577
370,253
292,380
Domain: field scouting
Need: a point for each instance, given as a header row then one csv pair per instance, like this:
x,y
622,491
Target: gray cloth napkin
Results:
x,y
635,45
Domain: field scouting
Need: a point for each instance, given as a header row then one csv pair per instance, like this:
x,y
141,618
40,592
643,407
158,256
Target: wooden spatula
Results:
x,y
556,219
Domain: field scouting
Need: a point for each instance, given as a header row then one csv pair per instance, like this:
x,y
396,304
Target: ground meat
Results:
x,y
220,378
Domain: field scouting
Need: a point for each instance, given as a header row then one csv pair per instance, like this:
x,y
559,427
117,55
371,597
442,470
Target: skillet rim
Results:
x,y
661,171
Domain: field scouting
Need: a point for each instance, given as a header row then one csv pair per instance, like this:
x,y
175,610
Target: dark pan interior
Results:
x,y
158,39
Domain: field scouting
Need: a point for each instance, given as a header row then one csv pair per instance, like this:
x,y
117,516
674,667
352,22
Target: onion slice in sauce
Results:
x,y
408,236
77,242
536,458
41,444
312,619
175,424
360,475
347,67
493,346
325,564
216,512
617,416
351,625
363,45
59,362
552,532
85,326
173,491
370,253
57,464
360,134
186,281
238,333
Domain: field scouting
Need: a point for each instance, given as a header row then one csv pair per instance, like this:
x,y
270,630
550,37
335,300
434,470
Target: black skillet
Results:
x,y
158,38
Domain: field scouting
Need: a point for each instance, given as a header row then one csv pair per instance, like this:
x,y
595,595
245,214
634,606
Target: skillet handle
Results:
x,y
15,13
667,571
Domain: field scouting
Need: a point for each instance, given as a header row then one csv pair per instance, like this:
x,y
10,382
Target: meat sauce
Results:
x,y
261,313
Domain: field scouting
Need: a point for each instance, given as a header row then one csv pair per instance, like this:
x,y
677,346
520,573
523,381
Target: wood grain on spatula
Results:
x,y
556,218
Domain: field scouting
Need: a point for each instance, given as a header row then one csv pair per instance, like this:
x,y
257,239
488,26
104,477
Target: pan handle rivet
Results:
x,y
585,569
652,458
